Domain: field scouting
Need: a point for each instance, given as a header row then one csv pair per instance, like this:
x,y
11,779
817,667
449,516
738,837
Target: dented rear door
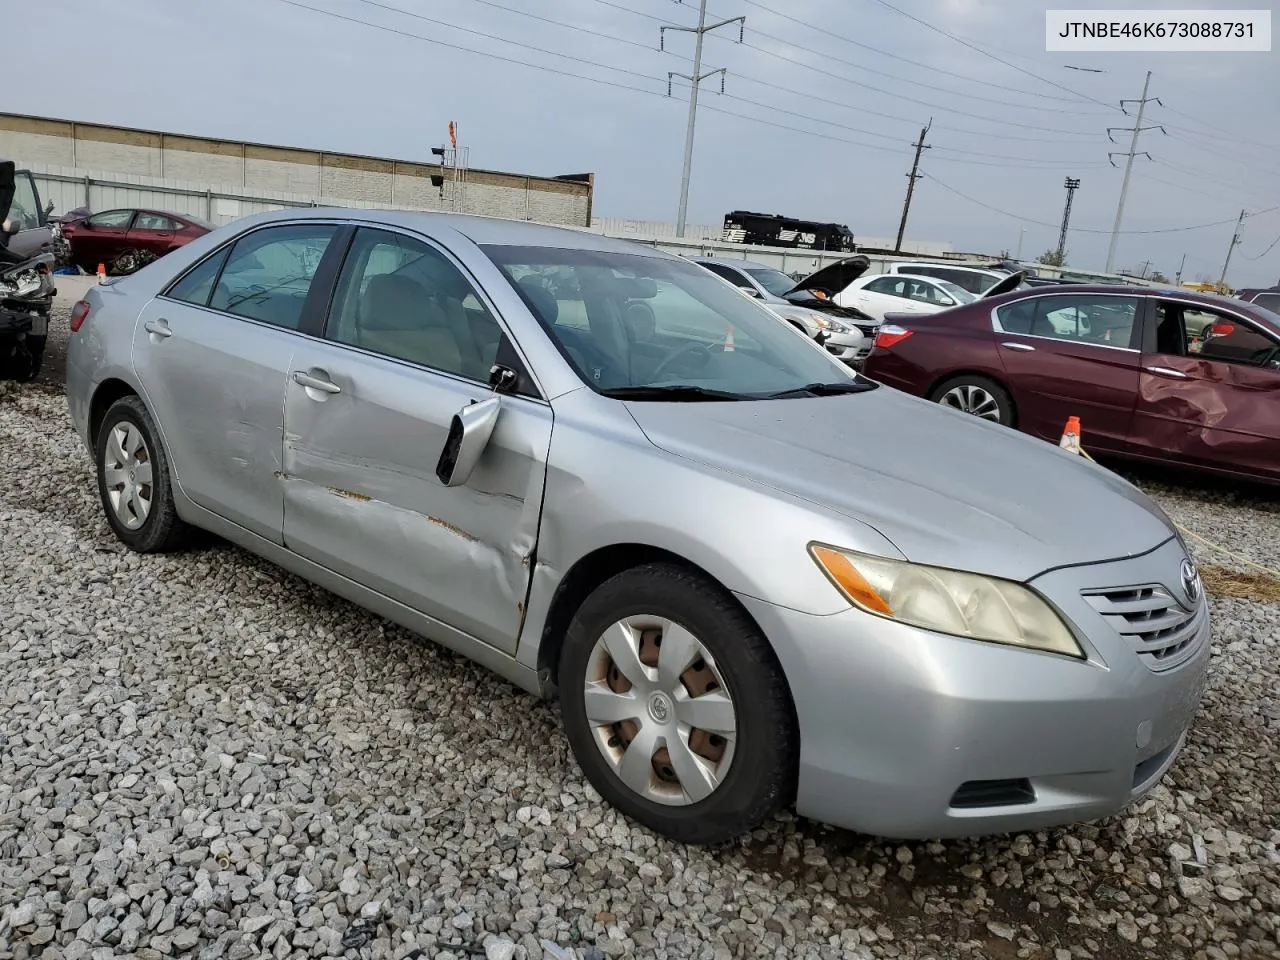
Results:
x,y
362,498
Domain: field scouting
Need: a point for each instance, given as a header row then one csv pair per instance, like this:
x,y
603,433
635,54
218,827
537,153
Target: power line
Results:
x,y
1013,66
1043,223
893,56
1271,246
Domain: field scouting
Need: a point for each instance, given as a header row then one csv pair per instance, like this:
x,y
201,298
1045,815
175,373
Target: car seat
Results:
x,y
399,318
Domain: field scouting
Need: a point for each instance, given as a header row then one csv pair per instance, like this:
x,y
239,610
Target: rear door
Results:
x,y
1072,354
410,340
1209,392
152,232
887,294
212,353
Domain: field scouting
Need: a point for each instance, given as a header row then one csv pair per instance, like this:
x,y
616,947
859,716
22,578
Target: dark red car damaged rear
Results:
x,y
1154,374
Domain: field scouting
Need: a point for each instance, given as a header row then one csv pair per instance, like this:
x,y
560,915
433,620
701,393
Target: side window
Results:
x,y
400,297
927,293
893,286
196,285
727,273
1217,336
24,205
1107,321
1102,320
269,272
153,221
112,218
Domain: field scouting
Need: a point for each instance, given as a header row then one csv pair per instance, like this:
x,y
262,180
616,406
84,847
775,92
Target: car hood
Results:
x,y
945,487
834,277
1011,282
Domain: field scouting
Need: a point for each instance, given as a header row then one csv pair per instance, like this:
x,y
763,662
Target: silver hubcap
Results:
x,y
971,399
660,711
126,467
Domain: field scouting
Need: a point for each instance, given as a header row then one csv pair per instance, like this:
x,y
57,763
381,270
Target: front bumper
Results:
x,y
848,347
910,734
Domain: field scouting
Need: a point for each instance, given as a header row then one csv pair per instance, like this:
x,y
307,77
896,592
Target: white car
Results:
x,y
975,280
884,293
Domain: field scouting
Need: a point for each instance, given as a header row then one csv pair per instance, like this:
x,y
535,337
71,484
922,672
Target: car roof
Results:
x,y
479,229
1116,289
949,266
732,262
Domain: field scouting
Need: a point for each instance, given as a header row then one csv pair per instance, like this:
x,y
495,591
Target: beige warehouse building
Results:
x,y
68,150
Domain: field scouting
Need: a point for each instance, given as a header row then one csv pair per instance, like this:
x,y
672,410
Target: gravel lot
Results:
x,y
203,756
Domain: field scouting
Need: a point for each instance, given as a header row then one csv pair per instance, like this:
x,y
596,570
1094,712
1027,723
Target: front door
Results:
x,y
1069,355
1210,390
101,238
409,343
212,354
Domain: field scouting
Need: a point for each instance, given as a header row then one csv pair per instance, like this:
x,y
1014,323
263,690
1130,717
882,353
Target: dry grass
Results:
x,y
1233,583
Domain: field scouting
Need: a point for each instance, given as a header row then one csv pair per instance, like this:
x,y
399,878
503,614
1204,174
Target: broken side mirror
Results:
x,y
469,434
471,429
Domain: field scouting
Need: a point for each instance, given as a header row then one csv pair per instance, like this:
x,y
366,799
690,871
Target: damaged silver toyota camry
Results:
x,y
753,579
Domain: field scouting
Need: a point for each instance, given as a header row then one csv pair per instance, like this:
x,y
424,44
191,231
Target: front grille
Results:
x,y
1162,630
868,329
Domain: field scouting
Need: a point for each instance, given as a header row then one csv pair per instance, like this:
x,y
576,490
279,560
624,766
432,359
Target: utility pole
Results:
x,y
695,80
1235,238
912,177
1072,184
1021,232
1137,129
1177,279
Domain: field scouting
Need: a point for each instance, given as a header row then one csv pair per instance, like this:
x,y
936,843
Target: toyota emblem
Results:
x,y
1190,581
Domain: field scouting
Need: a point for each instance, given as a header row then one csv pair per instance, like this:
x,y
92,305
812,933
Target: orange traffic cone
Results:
x,y
728,341
1071,435
102,272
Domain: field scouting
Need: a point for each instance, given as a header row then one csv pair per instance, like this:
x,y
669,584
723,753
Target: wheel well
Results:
x,y
952,375
591,571
108,392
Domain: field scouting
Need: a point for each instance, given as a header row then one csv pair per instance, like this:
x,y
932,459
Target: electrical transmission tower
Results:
x,y
1136,129
1072,186
695,81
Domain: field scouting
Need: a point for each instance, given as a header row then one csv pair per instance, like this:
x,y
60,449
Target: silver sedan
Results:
x,y
752,577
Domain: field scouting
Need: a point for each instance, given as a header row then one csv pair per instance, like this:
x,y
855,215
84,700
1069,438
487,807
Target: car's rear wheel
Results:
x,y
133,479
979,396
675,706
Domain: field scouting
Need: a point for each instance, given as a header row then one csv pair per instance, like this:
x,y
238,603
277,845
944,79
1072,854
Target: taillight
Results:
x,y
79,314
890,336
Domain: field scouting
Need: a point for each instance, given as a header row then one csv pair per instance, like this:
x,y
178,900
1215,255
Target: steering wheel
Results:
x,y
693,347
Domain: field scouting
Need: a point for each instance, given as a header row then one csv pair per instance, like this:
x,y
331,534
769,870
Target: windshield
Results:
x,y
775,281
958,293
628,322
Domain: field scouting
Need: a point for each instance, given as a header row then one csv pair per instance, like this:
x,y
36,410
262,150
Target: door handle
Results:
x,y
315,383
158,327
1024,347
1168,372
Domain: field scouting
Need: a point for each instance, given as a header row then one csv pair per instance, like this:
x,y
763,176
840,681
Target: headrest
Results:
x,y
395,302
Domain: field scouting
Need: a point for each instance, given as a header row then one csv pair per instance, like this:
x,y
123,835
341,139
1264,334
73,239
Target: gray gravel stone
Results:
x,y
203,755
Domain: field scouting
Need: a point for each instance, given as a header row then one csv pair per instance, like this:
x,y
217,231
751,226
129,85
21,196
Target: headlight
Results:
x,y
831,325
947,601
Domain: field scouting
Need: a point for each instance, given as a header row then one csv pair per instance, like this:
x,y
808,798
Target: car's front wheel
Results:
x,y
979,396
675,706
133,479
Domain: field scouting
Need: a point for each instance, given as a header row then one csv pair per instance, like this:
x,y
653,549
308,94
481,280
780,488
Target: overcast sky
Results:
x,y
860,81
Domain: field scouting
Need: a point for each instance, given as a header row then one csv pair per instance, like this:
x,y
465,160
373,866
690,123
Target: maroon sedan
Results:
x,y
1153,374
126,239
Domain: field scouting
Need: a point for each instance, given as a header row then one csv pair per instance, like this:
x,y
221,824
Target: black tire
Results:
x,y
162,528
35,347
1004,412
761,777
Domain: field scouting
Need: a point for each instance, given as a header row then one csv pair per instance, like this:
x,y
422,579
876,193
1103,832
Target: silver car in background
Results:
x,y
847,338
752,577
